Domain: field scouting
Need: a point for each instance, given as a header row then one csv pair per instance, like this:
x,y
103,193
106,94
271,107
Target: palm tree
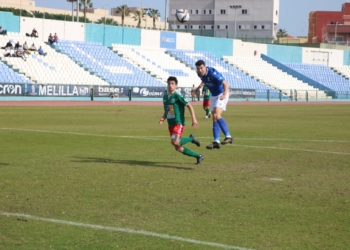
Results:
x,y
124,10
138,16
37,14
85,4
108,21
282,33
154,14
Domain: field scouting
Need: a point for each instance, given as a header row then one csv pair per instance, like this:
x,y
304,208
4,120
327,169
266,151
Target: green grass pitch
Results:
x,y
283,184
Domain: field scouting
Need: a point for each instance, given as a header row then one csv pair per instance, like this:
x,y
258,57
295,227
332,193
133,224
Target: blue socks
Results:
x,y
216,131
223,126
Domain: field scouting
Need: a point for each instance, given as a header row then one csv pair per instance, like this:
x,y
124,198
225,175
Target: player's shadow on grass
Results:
x,y
129,162
4,164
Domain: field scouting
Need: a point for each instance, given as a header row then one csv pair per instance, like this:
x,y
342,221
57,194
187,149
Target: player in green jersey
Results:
x,y
206,101
174,112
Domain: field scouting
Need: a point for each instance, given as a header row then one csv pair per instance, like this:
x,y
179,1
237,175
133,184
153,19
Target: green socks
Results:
x,y
207,111
185,140
188,152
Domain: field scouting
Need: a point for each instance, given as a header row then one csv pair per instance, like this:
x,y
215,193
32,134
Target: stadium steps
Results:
x,y
272,76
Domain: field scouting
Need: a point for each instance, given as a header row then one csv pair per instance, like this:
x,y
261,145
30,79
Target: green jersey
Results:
x,y
207,93
174,108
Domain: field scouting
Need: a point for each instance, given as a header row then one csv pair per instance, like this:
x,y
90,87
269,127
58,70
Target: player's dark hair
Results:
x,y
172,78
199,63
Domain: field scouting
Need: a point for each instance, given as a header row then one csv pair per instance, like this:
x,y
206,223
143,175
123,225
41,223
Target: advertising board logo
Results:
x,y
146,92
10,89
84,91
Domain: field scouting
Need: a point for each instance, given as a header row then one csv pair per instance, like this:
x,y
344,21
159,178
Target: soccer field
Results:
x,y
108,178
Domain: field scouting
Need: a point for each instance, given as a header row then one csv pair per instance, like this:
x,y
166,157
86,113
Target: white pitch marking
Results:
x,y
125,230
292,149
151,138
275,179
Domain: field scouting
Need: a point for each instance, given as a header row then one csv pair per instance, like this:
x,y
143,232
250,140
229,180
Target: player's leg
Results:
x,y
221,106
176,138
216,127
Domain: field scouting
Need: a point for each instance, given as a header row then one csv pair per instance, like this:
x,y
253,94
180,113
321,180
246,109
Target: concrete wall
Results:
x,y
248,49
217,46
285,53
64,30
326,57
346,59
150,38
184,41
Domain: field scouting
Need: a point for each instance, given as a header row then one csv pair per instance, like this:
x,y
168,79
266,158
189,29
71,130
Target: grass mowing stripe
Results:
x,y
151,138
306,150
125,230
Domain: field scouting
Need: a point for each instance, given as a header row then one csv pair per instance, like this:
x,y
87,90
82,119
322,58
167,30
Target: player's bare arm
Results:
x,y
193,115
223,96
161,121
199,87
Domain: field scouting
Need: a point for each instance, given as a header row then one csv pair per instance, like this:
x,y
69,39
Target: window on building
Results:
x,y
262,27
191,27
191,12
255,27
212,27
337,39
186,27
199,27
178,26
226,26
276,12
204,27
204,12
197,12
222,12
218,27
209,12
239,27
244,11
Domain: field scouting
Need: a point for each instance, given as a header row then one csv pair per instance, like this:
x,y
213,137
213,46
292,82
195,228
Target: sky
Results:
x,y
294,14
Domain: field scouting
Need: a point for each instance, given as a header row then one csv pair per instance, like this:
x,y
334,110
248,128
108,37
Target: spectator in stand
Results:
x,y
51,39
55,37
2,32
7,52
41,51
33,48
20,53
8,45
25,48
17,45
34,33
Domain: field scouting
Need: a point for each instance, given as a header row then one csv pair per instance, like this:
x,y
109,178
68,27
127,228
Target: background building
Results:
x,y
241,19
321,22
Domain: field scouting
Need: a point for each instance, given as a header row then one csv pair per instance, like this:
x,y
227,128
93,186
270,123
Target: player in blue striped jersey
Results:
x,y
219,88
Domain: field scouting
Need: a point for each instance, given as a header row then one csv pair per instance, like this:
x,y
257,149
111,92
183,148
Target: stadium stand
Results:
x,y
8,75
322,74
272,76
236,78
343,70
159,63
106,64
55,68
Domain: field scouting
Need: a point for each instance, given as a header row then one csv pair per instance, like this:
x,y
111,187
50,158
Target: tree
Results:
x,y
124,11
37,14
154,14
282,33
107,21
138,16
86,5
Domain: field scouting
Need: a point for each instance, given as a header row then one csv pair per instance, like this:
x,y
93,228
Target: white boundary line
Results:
x,y
152,138
125,230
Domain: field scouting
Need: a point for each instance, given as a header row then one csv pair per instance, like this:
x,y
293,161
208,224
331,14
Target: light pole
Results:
x,y
335,37
165,13
235,7
104,27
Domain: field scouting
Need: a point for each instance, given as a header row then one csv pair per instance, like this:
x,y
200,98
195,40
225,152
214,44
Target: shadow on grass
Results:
x,y
4,164
129,162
